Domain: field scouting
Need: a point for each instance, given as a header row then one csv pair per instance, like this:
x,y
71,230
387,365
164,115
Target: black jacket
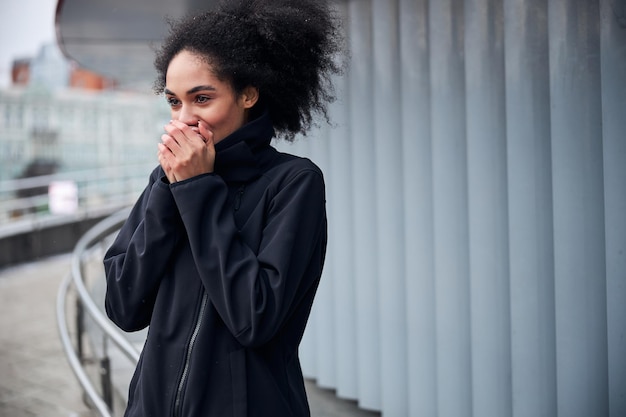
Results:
x,y
223,267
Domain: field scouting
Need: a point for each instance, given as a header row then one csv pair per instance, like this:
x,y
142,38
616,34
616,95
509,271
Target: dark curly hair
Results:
x,y
288,49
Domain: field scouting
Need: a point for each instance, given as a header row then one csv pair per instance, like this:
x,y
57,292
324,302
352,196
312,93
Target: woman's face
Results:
x,y
194,93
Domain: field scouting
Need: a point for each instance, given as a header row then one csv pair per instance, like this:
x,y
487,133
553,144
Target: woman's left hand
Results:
x,y
186,151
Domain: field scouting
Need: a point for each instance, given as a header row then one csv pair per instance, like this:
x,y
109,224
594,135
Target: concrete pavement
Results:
x,y
35,378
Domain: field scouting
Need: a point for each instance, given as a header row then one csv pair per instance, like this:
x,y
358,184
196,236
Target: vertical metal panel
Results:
x,y
364,173
339,184
487,208
483,142
450,209
613,52
389,191
418,213
325,312
580,269
533,360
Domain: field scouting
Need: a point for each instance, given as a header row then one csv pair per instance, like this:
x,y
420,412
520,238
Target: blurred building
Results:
x,y
73,129
49,68
89,80
58,116
20,73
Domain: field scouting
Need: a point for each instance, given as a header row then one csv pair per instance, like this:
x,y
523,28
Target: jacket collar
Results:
x,y
237,155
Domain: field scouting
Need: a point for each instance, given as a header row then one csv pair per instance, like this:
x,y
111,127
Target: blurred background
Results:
x,y
476,187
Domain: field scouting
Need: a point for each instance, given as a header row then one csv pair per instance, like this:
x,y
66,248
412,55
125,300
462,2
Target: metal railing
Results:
x,y
28,200
90,243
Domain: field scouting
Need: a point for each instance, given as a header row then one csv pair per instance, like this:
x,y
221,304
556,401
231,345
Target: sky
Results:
x,y
26,25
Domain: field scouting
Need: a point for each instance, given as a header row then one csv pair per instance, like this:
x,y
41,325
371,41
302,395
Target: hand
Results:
x,y
186,151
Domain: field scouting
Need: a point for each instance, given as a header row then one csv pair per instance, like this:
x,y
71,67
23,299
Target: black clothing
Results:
x,y
223,267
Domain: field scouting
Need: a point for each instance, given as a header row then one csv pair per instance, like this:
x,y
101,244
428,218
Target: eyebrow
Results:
x,y
193,90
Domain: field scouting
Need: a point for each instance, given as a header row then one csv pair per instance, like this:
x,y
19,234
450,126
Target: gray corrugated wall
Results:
x,y
476,181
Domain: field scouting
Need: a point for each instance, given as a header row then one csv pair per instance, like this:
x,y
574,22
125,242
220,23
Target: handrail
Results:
x,y
72,357
29,198
93,236
99,231
84,175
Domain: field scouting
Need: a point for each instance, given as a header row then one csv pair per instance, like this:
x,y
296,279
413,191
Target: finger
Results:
x,y
163,154
196,130
203,129
176,134
182,131
170,143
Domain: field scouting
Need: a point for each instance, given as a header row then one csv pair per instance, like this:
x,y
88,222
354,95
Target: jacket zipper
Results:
x,y
196,330
192,341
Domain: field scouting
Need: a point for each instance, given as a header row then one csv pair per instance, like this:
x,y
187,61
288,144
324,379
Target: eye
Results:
x,y
172,101
202,99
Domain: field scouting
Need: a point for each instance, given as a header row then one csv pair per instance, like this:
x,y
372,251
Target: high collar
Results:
x,y
237,155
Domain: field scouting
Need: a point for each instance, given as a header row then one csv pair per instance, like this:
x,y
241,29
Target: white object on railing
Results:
x,y
63,197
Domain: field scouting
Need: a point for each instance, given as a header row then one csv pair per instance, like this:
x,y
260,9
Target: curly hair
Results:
x,y
288,49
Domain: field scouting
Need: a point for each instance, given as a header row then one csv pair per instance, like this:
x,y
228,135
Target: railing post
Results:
x,y
105,380
80,328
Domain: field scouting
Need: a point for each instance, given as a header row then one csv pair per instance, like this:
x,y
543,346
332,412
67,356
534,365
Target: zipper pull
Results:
x,y
238,197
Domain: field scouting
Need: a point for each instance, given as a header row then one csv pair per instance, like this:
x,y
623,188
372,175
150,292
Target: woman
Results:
x,y
222,254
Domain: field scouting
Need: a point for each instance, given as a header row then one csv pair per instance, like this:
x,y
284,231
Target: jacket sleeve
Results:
x,y
137,259
254,293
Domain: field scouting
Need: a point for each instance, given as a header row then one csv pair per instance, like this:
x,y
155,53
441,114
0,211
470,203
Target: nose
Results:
x,y
187,116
